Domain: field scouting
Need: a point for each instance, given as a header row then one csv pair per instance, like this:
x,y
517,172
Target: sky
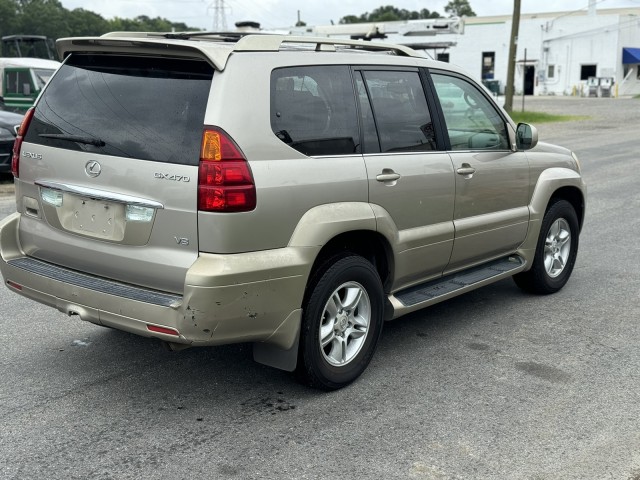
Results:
x,y
283,13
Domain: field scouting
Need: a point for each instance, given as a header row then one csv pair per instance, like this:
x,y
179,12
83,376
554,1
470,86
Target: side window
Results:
x,y
400,110
12,82
18,82
473,123
313,110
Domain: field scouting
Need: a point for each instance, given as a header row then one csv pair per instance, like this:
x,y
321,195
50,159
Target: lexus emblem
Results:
x,y
92,168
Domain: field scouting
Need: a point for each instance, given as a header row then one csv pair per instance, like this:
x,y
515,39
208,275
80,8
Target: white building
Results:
x,y
562,49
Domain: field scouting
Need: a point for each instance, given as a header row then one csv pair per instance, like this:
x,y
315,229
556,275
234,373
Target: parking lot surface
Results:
x,y
496,384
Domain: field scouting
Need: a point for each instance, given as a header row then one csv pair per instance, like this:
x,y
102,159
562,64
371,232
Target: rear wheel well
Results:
x,y
574,197
370,245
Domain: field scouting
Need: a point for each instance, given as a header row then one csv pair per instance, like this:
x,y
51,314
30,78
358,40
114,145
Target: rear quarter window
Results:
x,y
148,108
313,110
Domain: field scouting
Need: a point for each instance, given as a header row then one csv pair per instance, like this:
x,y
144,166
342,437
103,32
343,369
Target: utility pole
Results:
x,y
219,16
513,49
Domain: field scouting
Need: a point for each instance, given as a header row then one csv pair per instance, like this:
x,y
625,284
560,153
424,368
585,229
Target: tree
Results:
x,y
425,13
51,19
389,13
459,8
85,23
44,17
8,14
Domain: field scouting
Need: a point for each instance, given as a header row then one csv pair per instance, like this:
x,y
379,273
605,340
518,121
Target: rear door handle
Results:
x,y
387,175
466,170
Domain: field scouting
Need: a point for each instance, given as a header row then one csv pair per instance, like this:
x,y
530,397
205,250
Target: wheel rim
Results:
x,y
557,247
345,323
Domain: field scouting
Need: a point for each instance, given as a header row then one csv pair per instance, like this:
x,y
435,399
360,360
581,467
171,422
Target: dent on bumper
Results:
x,y
227,298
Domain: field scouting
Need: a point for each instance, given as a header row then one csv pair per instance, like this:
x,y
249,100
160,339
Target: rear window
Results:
x,y
146,108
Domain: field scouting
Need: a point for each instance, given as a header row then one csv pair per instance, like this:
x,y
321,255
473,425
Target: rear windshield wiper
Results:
x,y
96,142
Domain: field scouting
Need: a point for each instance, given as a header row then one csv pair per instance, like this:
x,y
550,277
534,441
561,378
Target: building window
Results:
x,y
587,71
551,71
443,57
488,65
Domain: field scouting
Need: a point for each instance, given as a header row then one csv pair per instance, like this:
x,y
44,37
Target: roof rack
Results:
x,y
214,36
268,42
219,36
272,43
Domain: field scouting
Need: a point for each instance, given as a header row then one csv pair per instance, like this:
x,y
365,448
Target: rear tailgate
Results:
x,y
109,168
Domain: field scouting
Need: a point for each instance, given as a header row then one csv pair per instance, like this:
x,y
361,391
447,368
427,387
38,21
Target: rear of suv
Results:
x,y
290,192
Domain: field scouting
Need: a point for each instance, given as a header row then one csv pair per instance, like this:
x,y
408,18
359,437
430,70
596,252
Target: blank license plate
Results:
x,y
97,218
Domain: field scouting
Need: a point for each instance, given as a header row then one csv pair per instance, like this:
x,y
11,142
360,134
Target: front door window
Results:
x,y
472,121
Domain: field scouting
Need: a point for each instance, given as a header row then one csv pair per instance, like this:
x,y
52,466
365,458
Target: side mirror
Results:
x,y
526,136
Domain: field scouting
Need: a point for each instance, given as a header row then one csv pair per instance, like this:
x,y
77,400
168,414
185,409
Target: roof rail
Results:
x,y
125,34
267,42
219,36
214,36
272,43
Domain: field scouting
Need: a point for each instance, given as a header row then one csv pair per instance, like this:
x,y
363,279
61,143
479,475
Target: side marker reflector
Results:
x,y
15,285
165,330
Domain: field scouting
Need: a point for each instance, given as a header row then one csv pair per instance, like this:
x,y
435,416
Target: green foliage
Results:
x,y
389,13
541,117
8,14
459,8
50,18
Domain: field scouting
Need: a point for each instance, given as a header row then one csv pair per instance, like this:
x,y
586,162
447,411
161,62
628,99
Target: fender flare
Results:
x,y
549,182
322,223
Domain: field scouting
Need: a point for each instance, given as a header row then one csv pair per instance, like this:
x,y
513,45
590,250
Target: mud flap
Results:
x,y
272,356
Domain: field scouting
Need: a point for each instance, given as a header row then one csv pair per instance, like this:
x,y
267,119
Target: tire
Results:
x,y
556,251
341,323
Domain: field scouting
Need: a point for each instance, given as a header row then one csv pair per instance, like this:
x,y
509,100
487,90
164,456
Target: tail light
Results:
x,y
225,183
17,144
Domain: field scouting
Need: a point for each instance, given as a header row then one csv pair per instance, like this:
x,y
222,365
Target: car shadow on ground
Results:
x,y
142,367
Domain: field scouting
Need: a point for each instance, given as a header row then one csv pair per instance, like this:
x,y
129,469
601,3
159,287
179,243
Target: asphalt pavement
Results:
x,y
497,384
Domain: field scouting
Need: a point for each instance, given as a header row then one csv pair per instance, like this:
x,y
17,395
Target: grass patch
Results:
x,y
636,96
541,117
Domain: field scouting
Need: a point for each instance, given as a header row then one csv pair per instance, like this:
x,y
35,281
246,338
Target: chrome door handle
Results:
x,y
387,176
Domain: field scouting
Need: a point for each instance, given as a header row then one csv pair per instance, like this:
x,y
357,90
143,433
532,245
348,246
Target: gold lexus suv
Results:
x,y
292,192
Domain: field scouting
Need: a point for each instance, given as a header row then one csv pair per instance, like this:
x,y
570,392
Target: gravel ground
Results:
x,y
6,186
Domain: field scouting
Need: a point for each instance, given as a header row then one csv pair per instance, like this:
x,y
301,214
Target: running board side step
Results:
x,y
418,296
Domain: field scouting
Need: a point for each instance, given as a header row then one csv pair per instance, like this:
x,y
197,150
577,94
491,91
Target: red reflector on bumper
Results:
x,y
14,285
165,330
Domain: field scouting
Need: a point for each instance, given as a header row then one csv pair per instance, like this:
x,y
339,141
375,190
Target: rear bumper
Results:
x,y
253,297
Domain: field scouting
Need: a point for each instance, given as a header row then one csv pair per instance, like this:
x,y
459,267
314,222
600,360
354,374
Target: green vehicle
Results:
x,y
26,64
22,80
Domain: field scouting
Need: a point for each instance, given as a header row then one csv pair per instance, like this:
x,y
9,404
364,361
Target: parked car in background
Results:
x,y
292,192
22,80
9,123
